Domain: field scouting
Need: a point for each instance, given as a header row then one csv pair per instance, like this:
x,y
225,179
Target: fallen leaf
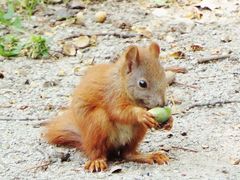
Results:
x,y
116,169
89,61
93,40
81,42
208,5
178,55
80,71
23,107
80,18
143,31
226,39
170,76
62,14
61,73
76,4
196,47
122,25
69,49
237,162
204,146
195,13
49,84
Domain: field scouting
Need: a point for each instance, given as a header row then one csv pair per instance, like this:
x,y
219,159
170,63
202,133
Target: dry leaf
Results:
x,y
79,18
170,76
194,14
76,4
178,55
61,73
93,40
69,49
80,71
208,5
23,107
143,31
116,169
89,61
226,39
235,161
81,41
196,47
205,146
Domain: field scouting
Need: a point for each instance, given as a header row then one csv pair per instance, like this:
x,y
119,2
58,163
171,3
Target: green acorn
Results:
x,y
161,115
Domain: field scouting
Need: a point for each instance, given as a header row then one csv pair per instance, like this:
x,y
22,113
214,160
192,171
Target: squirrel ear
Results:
x,y
131,57
154,49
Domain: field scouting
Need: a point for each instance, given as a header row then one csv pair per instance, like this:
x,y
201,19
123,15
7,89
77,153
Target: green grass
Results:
x,y
10,46
30,5
9,18
37,47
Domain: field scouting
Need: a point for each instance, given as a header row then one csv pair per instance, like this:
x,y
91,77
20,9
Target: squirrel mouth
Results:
x,y
141,103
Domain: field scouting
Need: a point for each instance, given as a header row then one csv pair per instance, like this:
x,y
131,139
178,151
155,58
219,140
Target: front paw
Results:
x,y
168,125
147,119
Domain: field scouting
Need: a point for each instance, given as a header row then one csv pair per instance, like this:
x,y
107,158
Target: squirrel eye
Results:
x,y
142,84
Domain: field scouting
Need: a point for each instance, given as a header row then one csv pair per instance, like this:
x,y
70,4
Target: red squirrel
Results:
x,y
108,114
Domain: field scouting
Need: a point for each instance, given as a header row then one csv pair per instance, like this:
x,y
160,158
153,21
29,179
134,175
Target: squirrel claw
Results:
x,y
96,165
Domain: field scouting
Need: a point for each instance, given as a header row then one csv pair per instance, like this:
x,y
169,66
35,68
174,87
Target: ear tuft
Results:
x,y
154,49
132,57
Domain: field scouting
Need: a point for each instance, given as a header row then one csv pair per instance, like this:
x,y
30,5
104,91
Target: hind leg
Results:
x,y
130,152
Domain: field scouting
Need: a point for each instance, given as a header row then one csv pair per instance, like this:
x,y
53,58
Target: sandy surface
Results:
x,y
205,140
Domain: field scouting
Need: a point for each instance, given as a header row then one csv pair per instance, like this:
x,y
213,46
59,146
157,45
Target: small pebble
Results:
x,y
184,133
100,16
1,76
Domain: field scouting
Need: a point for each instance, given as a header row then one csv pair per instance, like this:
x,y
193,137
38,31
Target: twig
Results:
x,y
21,119
176,69
211,104
184,149
118,35
186,85
212,58
45,166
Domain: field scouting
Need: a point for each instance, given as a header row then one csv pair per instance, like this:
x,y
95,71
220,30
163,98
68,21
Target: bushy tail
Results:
x,y
63,131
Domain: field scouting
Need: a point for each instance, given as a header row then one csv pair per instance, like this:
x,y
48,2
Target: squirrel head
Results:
x,y
144,78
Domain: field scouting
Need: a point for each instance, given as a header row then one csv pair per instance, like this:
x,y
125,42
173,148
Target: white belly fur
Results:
x,y
121,135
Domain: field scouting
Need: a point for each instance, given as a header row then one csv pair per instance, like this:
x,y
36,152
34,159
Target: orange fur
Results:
x,y
103,116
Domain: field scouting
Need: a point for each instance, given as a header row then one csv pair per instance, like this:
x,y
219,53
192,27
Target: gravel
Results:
x,y
211,141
